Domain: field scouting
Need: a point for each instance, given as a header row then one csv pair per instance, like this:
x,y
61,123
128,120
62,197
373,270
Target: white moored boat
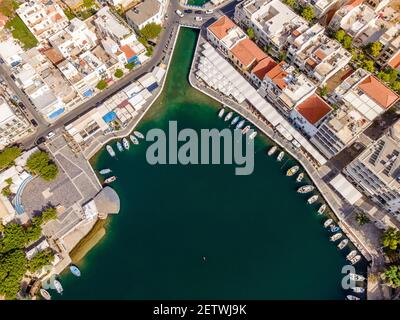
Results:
x,y
110,179
343,243
246,129
45,294
125,143
138,134
253,135
300,177
134,139
228,116
221,112
235,120
322,209
305,189
58,286
292,171
120,147
272,150
110,151
351,255
358,289
327,223
280,156
355,259
240,124
336,236
350,297
356,277
312,199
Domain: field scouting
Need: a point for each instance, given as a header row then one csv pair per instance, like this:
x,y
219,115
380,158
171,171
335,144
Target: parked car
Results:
x,y
197,18
34,123
179,13
22,106
209,11
50,135
152,43
40,140
198,12
188,11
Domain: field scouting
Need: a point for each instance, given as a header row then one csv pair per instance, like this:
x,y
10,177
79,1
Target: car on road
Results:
x,y
34,123
209,11
50,135
179,13
198,12
188,11
40,140
197,18
22,106
152,43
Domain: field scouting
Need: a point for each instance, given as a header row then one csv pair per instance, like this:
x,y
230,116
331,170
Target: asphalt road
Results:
x,y
163,46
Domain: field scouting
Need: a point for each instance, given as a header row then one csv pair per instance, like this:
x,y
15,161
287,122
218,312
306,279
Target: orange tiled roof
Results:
x,y
296,33
311,62
313,109
128,51
220,27
377,91
395,60
320,54
54,55
247,52
277,75
263,67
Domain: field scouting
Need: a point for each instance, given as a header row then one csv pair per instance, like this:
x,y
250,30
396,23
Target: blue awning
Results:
x,y
88,93
110,116
152,87
56,113
133,59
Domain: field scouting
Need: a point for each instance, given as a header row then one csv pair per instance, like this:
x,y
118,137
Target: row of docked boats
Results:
x,y
124,144
57,284
272,150
237,122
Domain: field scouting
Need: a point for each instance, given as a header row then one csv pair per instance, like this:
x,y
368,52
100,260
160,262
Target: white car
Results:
x,y
50,135
198,18
179,13
209,11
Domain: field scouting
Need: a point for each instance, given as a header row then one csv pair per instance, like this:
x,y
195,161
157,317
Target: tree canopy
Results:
x,y
250,33
118,73
308,13
151,31
339,35
391,239
392,276
8,156
375,48
40,164
101,85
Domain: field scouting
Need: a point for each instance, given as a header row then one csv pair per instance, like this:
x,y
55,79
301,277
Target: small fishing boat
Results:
x,y
350,297
355,259
105,171
351,255
134,139
292,171
300,177
343,243
322,209
336,236
334,228
312,199
356,277
253,135
221,112
228,116
110,179
246,129
120,147
327,223
280,156
125,143
305,189
358,289
75,271
45,294
272,150
57,285
110,151
138,134
240,124
235,120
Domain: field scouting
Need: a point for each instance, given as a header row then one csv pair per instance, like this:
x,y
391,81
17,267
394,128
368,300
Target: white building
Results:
x,y
321,7
318,56
272,21
42,17
376,171
11,52
12,126
146,12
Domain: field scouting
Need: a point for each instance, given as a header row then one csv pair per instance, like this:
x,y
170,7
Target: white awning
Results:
x,y
346,189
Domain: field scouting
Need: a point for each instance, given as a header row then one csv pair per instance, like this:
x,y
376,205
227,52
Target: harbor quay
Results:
x,y
366,240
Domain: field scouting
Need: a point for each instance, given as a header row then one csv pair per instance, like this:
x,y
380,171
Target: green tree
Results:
x,y
102,84
49,172
291,3
362,218
347,40
308,13
250,33
391,276
8,156
39,163
282,56
396,85
375,48
151,31
12,268
339,35
393,75
368,65
89,3
6,191
384,76
49,214
118,73
149,52
9,181
324,91
391,239
40,260
130,66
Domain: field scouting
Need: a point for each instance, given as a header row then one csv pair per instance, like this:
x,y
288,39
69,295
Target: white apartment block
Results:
x,y
286,88
321,7
273,22
42,17
114,27
376,171
146,12
74,39
390,53
13,126
318,56
11,52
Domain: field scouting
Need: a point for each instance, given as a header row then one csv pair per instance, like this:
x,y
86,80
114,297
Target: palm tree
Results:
x,y
391,239
391,276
